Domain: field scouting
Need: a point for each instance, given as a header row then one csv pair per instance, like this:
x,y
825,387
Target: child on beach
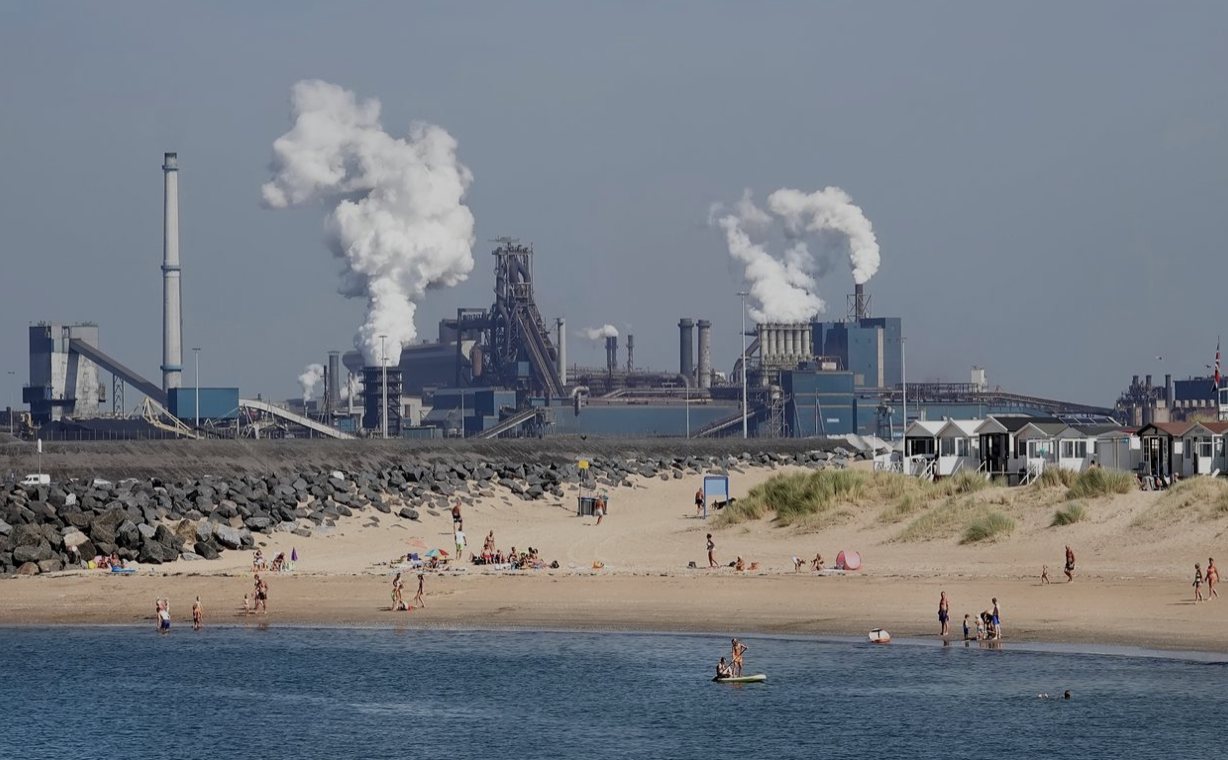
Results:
x,y
247,605
1044,574
1197,583
198,614
966,619
162,608
980,628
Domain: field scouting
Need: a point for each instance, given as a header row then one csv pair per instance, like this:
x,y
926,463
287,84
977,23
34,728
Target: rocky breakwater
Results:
x,y
45,529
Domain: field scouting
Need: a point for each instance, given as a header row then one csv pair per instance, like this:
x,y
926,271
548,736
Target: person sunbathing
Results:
x,y
740,565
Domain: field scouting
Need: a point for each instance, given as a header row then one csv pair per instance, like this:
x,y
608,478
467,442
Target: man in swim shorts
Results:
x,y
997,619
739,649
457,522
944,614
699,502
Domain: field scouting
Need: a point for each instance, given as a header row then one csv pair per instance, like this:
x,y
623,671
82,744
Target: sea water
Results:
x,y
284,692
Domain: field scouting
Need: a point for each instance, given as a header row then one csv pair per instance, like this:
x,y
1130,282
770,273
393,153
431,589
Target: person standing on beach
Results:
x,y
997,619
398,598
944,614
966,619
162,609
418,599
711,552
699,502
1197,583
457,523
460,544
198,614
1212,579
262,595
1070,565
1044,575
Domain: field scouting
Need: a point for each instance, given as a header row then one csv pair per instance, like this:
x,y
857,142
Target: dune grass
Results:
x,y
1054,477
1203,498
799,497
991,525
906,507
962,483
1099,482
944,521
1073,513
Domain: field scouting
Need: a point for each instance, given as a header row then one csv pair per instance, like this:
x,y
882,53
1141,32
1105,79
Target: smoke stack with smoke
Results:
x,y
312,375
597,333
396,216
784,286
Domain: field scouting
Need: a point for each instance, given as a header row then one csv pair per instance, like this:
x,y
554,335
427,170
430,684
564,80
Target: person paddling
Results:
x,y
739,649
723,670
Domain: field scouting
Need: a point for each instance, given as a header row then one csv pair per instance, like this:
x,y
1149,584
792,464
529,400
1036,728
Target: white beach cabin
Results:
x,y
921,447
959,447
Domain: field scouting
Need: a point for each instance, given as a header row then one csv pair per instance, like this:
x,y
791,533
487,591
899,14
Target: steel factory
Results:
x,y
502,371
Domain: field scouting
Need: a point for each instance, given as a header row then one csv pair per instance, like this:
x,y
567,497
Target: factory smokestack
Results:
x,y
561,324
686,350
611,353
705,353
334,380
172,320
630,354
861,302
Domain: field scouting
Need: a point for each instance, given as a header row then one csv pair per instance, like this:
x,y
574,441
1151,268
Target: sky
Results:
x,y
1045,180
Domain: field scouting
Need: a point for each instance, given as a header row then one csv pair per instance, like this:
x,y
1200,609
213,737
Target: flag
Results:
x,y
1216,388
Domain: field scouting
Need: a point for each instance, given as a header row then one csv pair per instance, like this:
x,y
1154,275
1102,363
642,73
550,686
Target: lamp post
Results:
x,y
904,378
12,374
743,294
196,406
383,364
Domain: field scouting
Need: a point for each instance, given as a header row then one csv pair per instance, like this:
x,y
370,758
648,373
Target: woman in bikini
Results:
x,y
1212,579
198,614
1070,565
418,599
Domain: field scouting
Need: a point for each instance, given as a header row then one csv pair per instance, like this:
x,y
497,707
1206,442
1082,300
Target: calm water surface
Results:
x,y
129,693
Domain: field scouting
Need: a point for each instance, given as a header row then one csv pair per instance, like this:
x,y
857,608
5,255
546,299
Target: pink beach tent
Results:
x,y
848,560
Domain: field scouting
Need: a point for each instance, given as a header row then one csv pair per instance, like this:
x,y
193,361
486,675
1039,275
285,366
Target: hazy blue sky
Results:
x,y
1047,180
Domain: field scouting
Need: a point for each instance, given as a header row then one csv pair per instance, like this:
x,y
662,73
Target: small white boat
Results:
x,y
879,636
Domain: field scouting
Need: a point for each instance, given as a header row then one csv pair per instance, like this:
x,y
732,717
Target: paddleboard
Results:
x,y
760,678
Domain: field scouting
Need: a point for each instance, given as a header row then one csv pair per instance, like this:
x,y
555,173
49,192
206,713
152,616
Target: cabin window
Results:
x,y
1039,449
1219,445
946,447
1074,449
1204,448
961,447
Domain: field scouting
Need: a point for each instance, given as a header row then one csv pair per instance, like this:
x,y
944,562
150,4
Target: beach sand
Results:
x,y
1135,564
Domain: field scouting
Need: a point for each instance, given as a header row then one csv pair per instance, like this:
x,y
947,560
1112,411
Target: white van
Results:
x,y
36,480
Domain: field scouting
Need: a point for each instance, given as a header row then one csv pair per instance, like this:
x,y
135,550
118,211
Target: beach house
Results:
x,y
958,447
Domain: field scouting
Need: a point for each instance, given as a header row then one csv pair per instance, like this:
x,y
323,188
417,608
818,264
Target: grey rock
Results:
x,y
205,550
204,530
53,565
227,536
27,568
189,556
302,531
147,531
36,553
409,513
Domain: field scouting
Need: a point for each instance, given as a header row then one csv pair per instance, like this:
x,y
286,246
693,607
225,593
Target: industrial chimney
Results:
x,y
334,381
562,356
172,321
630,354
861,302
705,353
686,350
611,353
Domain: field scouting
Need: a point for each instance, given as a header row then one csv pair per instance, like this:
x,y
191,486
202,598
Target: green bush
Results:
x,y
1100,482
987,526
1069,516
1053,477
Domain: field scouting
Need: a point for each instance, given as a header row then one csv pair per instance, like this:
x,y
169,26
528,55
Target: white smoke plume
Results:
x,y
597,333
313,375
396,213
783,287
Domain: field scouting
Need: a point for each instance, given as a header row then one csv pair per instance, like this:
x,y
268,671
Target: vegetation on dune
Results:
x,y
1055,477
906,507
1202,497
962,483
988,526
1098,482
1072,514
944,521
798,497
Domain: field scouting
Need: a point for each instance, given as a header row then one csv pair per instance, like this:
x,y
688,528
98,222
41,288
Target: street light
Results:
x,y
904,378
743,294
196,356
11,373
383,364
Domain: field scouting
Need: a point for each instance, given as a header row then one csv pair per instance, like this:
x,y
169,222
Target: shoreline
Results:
x,y
780,604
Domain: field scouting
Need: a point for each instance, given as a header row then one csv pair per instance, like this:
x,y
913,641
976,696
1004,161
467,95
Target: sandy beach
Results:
x,y
1133,580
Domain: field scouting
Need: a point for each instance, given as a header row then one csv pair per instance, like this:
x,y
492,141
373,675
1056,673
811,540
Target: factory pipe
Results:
x,y
172,323
561,324
859,301
705,353
686,350
631,354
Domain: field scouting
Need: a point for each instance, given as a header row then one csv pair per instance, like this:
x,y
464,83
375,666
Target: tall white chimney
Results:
x,y
562,362
172,321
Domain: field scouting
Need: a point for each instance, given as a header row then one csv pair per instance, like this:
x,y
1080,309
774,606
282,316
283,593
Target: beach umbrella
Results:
x,y
293,555
433,553
444,552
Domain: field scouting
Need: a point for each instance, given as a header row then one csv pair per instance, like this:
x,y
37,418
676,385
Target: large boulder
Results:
x,y
186,531
75,537
5,528
52,565
205,550
227,536
409,513
204,531
128,535
36,553
26,534
27,568
154,553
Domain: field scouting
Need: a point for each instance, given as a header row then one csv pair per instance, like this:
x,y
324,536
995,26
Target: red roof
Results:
x,y
1219,428
1175,429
